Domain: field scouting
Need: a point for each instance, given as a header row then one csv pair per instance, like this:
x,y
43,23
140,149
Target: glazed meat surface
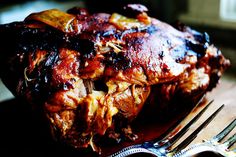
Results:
x,y
91,72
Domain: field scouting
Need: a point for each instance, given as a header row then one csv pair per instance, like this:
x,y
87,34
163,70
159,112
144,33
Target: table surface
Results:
x,y
224,93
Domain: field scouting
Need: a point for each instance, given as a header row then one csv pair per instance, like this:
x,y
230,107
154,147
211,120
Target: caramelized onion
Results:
x,y
55,18
123,22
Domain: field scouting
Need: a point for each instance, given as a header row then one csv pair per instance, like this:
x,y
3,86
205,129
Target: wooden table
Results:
x,y
224,93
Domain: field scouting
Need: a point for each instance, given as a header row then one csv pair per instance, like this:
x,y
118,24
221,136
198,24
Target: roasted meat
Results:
x,y
92,74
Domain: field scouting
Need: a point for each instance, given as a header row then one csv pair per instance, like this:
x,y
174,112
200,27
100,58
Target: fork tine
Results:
x,y
171,133
177,133
194,134
230,141
224,132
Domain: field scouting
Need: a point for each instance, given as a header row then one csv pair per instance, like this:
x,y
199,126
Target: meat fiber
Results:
x,y
92,74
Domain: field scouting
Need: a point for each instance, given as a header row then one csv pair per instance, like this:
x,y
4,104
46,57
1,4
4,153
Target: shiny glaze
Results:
x,y
94,74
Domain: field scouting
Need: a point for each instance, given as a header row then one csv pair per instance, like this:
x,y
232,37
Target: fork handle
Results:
x,y
204,147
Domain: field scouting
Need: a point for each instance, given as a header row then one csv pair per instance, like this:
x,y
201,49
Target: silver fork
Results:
x,y
213,144
163,147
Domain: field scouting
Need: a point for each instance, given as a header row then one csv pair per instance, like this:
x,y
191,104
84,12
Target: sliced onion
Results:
x,y
55,18
124,22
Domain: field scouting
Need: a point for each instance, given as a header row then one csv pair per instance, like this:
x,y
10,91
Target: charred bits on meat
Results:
x,y
31,39
84,46
132,10
200,49
202,38
117,60
161,55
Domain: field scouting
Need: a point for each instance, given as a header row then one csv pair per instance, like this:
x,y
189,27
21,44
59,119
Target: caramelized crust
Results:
x,y
86,70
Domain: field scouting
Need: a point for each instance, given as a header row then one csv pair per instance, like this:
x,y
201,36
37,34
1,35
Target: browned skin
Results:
x,y
97,69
